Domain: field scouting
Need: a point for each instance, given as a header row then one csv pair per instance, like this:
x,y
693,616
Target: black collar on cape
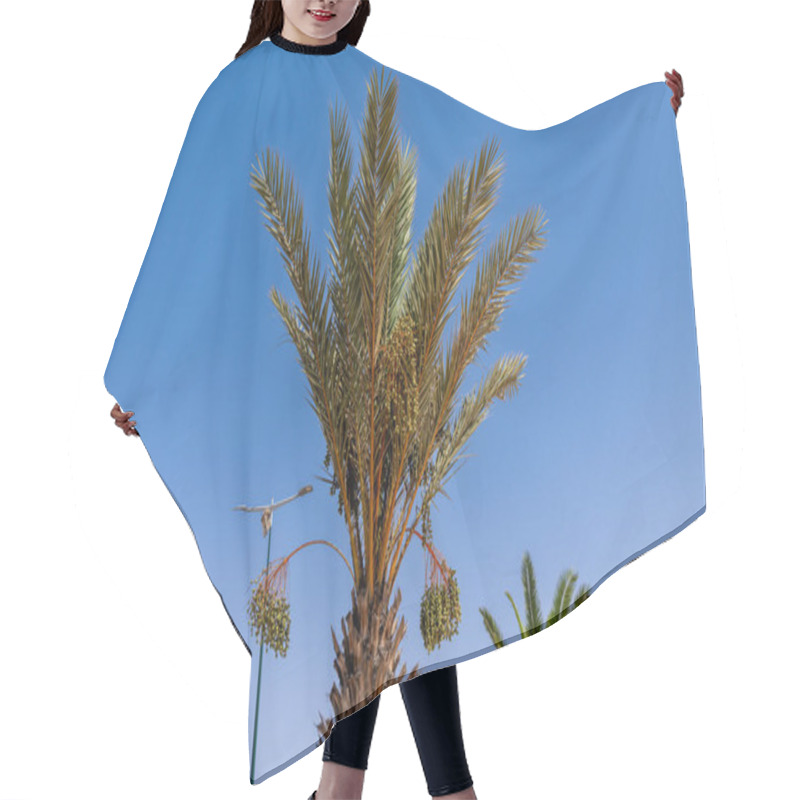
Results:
x,y
312,49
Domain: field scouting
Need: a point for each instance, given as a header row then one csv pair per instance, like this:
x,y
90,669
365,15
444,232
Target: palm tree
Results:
x,y
562,600
382,380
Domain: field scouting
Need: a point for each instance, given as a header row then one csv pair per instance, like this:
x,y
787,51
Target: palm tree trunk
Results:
x,y
367,654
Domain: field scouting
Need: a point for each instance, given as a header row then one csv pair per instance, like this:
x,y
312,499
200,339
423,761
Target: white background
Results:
x,y
120,674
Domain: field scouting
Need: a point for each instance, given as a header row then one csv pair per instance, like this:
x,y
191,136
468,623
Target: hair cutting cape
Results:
x,y
418,380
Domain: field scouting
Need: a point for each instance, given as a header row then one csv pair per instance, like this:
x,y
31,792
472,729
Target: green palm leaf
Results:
x,y
492,628
563,595
532,608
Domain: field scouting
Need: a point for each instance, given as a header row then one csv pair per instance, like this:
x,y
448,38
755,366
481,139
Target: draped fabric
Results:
x,y
418,380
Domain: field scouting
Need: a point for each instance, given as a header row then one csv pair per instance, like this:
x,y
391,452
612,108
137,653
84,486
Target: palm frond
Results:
x,y
532,608
501,268
501,381
375,207
342,288
562,597
492,628
583,593
307,321
406,192
446,248
516,612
